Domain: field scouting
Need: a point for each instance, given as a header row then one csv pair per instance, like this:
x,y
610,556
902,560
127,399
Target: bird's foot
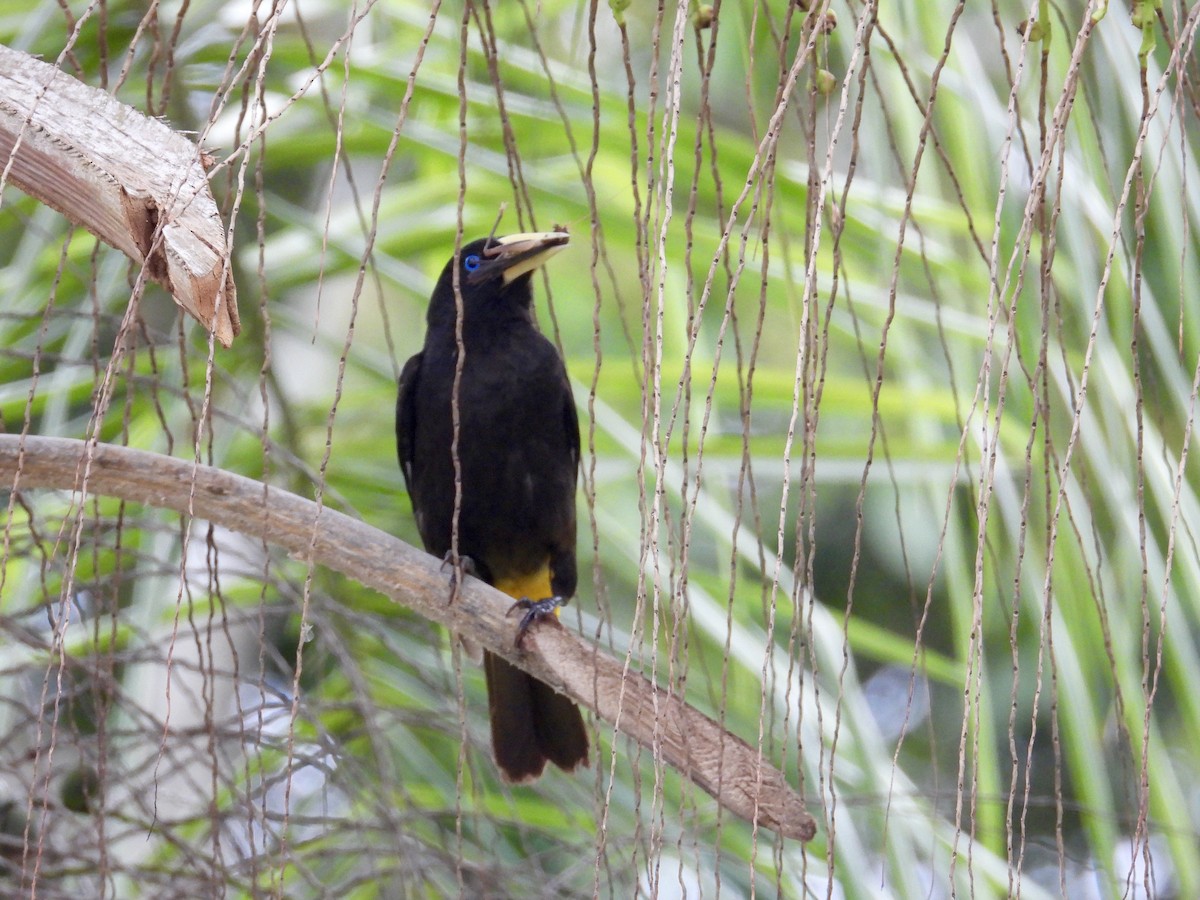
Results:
x,y
535,611
459,566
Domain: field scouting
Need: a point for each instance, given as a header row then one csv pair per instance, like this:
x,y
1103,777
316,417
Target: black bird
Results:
x,y
518,452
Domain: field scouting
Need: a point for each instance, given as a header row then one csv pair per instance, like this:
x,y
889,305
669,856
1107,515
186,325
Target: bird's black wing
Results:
x,y
406,417
560,513
571,422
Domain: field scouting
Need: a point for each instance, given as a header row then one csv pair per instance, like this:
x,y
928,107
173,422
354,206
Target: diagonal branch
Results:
x,y
723,765
127,178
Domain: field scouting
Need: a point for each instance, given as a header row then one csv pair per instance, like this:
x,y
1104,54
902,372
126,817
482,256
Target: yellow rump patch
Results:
x,y
535,585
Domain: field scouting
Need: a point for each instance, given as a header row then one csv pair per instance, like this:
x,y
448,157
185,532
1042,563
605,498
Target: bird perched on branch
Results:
x,y
517,454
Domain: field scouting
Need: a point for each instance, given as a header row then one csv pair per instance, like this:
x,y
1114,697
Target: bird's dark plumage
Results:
x,y
518,450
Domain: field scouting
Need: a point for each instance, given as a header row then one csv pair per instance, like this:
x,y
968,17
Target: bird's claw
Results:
x,y
535,610
459,566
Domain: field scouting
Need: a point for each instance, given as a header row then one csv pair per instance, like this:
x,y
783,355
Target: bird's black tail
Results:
x,y
531,723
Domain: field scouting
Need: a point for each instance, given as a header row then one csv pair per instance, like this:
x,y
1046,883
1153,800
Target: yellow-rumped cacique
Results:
x,y
518,458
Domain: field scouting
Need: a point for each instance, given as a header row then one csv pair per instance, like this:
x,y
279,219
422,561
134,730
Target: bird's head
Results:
x,y
493,277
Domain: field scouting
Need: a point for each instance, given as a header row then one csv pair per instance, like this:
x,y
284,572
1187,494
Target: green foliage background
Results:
x,y
915,509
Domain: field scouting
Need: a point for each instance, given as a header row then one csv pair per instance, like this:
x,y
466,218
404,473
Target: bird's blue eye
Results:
x,y
471,263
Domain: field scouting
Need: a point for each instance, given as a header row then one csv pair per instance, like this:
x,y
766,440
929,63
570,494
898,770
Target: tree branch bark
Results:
x,y
723,765
128,179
